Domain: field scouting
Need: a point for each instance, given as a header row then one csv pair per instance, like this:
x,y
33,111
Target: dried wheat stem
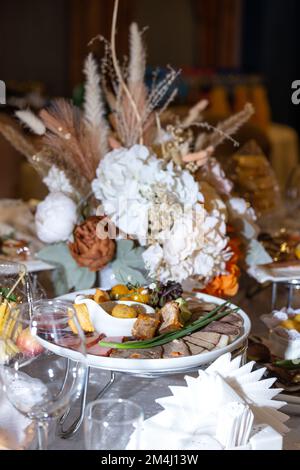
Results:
x,y
118,71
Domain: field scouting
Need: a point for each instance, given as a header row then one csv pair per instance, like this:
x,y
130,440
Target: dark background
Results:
x,y
46,40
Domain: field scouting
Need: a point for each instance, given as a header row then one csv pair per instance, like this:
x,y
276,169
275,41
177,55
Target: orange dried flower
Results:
x,y
88,250
227,285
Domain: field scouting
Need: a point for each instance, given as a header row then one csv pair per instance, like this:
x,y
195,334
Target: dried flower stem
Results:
x,y
118,71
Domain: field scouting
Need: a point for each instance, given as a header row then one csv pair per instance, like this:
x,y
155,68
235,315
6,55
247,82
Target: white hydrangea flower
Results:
x,y
55,218
186,235
239,207
126,184
56,181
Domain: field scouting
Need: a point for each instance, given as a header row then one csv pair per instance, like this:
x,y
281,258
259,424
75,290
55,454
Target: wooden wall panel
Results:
x,y
88,18
218,33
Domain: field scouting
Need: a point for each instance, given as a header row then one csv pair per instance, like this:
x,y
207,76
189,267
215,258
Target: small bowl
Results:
x,y
284,348
103,322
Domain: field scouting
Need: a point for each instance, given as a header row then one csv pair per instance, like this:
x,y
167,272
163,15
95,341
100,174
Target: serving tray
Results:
x,y
157,366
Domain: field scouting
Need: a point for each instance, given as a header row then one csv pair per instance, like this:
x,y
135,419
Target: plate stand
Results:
x,y
75,426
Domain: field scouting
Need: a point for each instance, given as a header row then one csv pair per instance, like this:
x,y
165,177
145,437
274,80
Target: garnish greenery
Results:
x,y
4,291
293,364
164,293
216,314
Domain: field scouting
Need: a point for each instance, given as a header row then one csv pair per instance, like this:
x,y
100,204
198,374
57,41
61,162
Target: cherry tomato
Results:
x,y
119,291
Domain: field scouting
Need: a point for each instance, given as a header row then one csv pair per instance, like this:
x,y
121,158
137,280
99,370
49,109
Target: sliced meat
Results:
x,y
70,341
222,328
194,349
151,353
92,339
199,308
195,304
170,315
176,348
233,319
199,342
145,326
97,350
212,338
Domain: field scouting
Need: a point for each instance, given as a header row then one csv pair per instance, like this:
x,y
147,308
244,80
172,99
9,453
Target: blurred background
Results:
x,y
229,51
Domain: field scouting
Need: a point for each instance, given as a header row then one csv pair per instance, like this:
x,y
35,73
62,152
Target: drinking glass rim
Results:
x,y
114,401
12,264
71,311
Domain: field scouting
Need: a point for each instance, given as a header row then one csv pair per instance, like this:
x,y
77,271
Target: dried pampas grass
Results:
x,y
137,62
30,120
195,114
23,145
225,129
94,110
63,120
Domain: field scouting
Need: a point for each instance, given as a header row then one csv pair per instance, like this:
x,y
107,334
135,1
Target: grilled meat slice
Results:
x,y
199,308
176,348
199,342
233,319
194,348
208,337
170,315
145,326
223,328
151,353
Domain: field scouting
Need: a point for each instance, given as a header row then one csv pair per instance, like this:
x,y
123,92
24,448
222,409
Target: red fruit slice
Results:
x,y
28,344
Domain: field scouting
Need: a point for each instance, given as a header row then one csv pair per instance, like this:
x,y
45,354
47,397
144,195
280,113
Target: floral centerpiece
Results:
x,y
123,188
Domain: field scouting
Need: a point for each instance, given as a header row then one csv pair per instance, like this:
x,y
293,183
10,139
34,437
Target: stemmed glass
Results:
x,y
38,381
113,424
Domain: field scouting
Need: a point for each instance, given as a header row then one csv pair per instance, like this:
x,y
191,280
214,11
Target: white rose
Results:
x,y
55,218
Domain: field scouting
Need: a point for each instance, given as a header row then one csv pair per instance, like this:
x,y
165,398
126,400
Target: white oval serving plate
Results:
x,y
157,366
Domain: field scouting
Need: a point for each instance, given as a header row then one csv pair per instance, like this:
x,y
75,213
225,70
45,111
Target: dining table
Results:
x,y
255,300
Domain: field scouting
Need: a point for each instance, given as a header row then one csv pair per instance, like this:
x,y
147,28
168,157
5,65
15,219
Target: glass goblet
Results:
x,y
38,380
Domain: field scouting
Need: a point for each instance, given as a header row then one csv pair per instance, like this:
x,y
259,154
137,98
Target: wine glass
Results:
x,y
112,424
37,380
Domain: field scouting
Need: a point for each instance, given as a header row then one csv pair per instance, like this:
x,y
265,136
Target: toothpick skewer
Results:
x,y
20,278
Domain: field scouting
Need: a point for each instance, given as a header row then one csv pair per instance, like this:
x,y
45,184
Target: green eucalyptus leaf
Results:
x,y
69,275
128,265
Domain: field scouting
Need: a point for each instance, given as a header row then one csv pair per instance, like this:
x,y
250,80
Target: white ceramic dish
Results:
x,y
155,366
103,321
